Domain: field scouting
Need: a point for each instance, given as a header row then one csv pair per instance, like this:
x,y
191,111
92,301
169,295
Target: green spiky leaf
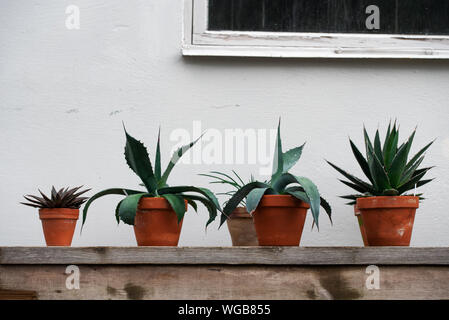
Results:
x,y
174,159
278,160
291,157
253,199
136,156
128,207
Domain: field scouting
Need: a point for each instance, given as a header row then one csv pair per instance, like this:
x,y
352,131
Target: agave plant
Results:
x,y
386,166
64,198
281,183
155,182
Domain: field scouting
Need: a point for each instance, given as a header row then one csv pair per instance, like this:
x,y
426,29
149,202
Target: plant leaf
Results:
x,y
115,191
174,159
177,203
327,208
360,183
211,208
411,183
378,148
390,146
399,162
253,199
361,160
312,192
418,155
117,217
181,189
239,195
410,171
128,207
278,160
301,195
238,177
157,160
380,177
136,156
291,157
192,204
353,186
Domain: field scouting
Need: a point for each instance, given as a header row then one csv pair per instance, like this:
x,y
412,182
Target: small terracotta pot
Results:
x,y
241,227
58,225
388,220
279,220
156,223
358,215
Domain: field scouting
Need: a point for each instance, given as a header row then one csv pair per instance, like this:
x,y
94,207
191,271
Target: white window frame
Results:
x,y
198,41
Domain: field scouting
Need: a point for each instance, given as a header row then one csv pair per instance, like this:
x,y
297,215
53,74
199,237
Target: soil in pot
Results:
x,y
241,227
58,225
279,220
156,223
361,225
388,220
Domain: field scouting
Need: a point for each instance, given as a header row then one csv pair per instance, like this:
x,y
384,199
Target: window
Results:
x,y
317,28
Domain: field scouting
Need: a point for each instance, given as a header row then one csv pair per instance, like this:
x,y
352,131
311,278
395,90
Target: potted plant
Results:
x,y
387,212
58,213
156,213
240,222
279,206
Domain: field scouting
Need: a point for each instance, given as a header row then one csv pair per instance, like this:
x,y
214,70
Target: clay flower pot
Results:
x,y
58,225
156,223
241,227
279,220
388,220
361,225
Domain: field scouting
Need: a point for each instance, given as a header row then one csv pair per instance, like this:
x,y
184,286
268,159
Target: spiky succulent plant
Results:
x,y
222,178
282,183
64,198
386,166
155,182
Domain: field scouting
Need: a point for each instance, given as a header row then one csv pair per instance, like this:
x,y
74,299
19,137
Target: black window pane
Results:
x,y
422,17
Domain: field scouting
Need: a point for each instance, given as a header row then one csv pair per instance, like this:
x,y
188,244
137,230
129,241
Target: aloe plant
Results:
x,y
281,183
386,166
155,182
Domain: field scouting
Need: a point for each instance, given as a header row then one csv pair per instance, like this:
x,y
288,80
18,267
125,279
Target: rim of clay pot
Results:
x,y
388,202
149,203
240,212
282,200
58,213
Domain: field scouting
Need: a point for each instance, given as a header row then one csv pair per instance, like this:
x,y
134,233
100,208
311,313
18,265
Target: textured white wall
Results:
x,y
64,93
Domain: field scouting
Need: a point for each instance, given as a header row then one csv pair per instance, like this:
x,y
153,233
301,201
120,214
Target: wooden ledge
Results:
x,y
224,255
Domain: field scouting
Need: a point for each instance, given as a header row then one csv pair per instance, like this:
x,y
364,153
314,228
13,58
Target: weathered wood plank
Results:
x,y
227,282
17,295
226,255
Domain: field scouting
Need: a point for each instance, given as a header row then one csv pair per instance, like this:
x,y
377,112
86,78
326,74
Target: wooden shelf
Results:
x,y
224,272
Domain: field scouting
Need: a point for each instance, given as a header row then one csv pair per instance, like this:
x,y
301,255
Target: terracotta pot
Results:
x,y
358,215
279,220
388,220
241,227
156,223
58,225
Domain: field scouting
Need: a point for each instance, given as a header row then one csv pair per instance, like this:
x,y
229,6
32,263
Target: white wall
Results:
x,y
64,93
